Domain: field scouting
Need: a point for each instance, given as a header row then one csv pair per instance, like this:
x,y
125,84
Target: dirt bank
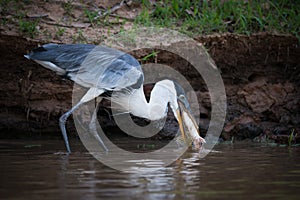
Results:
x,y
262,79
261,75
261,72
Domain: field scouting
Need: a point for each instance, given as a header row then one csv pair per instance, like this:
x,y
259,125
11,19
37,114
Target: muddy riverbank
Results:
x,y
261,75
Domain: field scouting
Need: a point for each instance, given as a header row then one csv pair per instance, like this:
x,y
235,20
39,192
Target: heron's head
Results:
x,y
180,106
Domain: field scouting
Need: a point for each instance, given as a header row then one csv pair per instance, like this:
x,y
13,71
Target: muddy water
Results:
x,y
40,170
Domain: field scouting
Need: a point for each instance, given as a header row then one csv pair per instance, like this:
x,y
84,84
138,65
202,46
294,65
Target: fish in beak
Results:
x,y
187,124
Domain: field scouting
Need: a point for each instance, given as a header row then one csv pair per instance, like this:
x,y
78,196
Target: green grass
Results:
x,y
60,32
91,15
32,145
291,138
68,7
28,27
79,37
206,17
151,55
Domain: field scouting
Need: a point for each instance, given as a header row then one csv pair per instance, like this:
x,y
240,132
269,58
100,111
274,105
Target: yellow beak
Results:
x,y
180,122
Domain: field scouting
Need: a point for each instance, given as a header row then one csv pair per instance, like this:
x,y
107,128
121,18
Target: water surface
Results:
x,y
41,170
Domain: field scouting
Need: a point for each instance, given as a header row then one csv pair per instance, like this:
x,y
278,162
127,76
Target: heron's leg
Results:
x,y
91,94
93,127
62,125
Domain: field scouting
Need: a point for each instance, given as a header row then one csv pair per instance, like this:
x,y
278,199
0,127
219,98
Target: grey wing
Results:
x,y
109,69
61,58
90,65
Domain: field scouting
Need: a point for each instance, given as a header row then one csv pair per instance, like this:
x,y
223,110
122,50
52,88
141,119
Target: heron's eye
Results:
x,y
182,97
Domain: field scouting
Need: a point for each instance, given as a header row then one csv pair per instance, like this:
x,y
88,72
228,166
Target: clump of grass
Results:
x,y
79,37
91,15
94,19
32,145
145,146
149,56
28,27
214,16
68,7
291,138
60,32
144,17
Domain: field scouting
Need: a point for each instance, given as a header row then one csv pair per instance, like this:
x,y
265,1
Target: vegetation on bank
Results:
x,y
192,17
219,16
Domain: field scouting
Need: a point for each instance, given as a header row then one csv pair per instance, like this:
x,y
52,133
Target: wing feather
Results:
x,y
90,65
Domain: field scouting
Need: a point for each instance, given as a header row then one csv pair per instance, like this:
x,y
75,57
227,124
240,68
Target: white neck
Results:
x,y
162,94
